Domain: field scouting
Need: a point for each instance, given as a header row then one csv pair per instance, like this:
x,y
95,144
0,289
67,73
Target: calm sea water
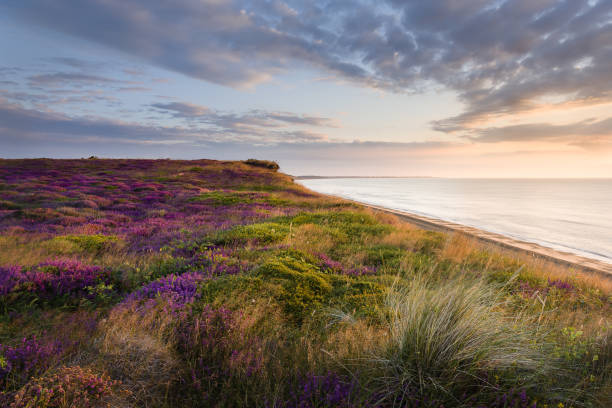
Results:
x,y
569,215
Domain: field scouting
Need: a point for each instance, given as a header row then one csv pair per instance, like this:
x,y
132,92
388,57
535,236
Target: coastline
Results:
x,y
567,259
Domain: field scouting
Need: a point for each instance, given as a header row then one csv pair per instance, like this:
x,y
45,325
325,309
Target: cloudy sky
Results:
x,y
459,88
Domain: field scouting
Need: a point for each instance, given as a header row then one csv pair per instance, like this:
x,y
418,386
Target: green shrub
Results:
x,y
386,255
94,244
130,277
219,198
230,290
262,233
341,218
266,164
431,242
357,295
303,287
8,205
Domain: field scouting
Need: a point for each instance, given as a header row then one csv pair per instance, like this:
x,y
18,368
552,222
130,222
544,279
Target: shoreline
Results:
x,y
567,259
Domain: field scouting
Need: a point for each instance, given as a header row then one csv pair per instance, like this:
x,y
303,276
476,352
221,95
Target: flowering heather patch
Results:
x,y
49,280
514,399
328,263
329,390
562,285
178,289
338,267
75,387
217,351
120,195
360,270
29,357
214,261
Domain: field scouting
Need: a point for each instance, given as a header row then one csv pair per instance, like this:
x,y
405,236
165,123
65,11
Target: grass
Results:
x,y
224,284
444,339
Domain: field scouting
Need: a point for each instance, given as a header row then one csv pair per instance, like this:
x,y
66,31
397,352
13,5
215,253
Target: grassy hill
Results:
x,y
165,283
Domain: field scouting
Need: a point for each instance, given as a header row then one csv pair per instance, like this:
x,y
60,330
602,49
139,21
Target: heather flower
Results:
x,y
329,390
178,289
75,387
562,285
328,263
334,266
50,280
28,357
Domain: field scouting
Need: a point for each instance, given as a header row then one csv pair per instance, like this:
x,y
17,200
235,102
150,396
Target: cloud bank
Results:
x,y
501,57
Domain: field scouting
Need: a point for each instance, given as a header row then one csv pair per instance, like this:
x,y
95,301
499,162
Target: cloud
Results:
x,y
76,63
21,125
71,84
253,122
59,79
183,110
501,56
584,133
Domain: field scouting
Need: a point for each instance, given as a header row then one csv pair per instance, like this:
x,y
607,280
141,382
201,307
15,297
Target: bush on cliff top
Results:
x,y
266,164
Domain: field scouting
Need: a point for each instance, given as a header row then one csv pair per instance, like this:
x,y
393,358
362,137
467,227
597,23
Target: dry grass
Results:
x,y
460,247
23,249
310,238
139,356
350,340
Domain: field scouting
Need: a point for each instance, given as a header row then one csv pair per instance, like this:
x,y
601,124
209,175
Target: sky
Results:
x,y
445,88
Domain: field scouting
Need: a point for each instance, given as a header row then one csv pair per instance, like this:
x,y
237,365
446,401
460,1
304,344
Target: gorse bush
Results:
x,y
304,288
94,244
264,233
219,198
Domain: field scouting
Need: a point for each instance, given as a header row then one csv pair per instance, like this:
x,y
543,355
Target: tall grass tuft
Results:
x,y
445,340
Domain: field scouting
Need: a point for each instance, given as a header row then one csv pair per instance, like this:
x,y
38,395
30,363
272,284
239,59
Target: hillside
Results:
x,y
164,283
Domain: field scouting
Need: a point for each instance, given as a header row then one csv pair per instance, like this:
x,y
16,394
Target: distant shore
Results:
x,y
354,177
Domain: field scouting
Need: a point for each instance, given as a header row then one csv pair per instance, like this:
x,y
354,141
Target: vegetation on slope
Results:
x,y
203,283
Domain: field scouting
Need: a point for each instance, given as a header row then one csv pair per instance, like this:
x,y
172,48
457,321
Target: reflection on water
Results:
x,y
569,215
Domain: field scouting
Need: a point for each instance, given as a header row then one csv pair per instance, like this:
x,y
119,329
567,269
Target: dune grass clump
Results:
x,y
446,341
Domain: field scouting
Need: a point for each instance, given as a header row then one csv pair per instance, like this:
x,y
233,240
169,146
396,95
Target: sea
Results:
x,y
571,215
